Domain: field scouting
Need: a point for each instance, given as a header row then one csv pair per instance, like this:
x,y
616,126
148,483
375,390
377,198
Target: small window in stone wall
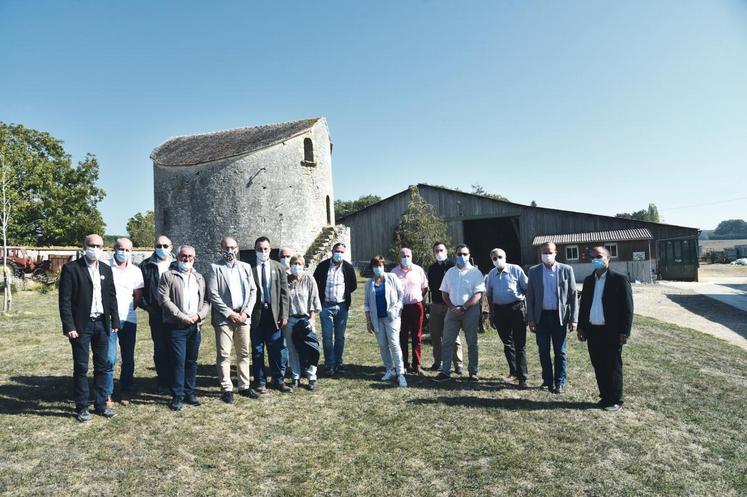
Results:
x,y
612,249
329,210
308,152
571,253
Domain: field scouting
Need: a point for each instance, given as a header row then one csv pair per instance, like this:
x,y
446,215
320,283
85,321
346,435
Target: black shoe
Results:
x,y
522,384
105,412
282,387
440,378
249,392
549,388
260,388
459,370
312,385
435,366
295,384
176,404
227,397
340,370
559,389
192,400
474,377
83,415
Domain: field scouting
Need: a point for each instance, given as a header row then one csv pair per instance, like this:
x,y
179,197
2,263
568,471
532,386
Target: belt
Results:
x,y
509,305
237,311
549,310
299,316
265,305
329,302
98,317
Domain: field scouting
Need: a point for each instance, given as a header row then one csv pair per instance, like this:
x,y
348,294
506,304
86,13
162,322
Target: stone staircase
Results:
x,y
321,246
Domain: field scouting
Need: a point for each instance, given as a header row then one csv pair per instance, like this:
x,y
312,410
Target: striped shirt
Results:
x,y
304,295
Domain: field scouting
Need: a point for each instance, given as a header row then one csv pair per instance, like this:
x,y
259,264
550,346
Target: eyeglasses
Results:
x,y
464,254
186,257
163,245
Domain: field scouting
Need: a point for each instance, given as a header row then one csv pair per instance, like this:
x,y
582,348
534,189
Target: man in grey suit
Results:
x,y
552,310
269,316
232,293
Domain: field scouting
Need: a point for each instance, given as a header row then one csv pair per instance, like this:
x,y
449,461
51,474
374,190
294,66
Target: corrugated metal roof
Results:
x,y
597,236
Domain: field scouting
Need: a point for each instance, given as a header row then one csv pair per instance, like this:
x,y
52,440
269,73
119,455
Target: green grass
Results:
x,y
681,433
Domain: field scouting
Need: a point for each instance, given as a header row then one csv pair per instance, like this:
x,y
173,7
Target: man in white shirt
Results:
x,y
461,289
128,281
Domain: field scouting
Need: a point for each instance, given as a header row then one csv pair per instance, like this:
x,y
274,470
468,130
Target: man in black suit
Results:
x,y
605,321
269,316
88,310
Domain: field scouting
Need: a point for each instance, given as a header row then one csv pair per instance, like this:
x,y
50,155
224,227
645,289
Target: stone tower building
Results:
x,y
273,180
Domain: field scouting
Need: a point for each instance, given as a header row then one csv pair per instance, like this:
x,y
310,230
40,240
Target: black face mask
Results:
x,y
228,256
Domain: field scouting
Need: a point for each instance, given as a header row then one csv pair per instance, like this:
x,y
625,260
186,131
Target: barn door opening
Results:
x,y
483,235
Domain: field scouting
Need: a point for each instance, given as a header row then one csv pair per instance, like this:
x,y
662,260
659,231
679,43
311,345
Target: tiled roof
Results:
x,y
206,147
597,236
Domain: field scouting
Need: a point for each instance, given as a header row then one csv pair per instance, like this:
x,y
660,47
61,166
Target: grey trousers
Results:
x,y
387,334
436,328
470,323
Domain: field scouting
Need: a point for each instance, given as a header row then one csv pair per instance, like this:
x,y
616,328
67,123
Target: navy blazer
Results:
x,y
617,302
279,294
76,296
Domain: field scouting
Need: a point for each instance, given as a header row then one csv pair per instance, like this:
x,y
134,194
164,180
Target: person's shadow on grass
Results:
x,y
36,395
509,404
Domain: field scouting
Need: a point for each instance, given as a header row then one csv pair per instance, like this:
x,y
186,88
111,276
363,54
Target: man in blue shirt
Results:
x,y
506,289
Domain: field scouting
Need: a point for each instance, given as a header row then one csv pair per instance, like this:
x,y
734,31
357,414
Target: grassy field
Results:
x,y
682,431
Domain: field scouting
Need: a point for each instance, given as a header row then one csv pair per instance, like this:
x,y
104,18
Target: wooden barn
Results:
x,y
484,223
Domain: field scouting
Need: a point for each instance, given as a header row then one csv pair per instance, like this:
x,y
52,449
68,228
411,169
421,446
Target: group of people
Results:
x,y
272,305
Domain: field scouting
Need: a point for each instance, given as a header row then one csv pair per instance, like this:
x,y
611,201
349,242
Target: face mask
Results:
x,y
378,271
93,253
598,263
440,256
297,269
337,257
462,259
184,266
548,258
229,255
499,263
406,262
121,255
285,262
162,253
262,256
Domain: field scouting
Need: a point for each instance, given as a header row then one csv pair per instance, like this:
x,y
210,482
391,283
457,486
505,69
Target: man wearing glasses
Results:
x,y
152,268
335,277
181,295
461,289
88,310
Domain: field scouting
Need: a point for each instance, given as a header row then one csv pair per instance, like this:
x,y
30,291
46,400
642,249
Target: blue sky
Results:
x,y
592,106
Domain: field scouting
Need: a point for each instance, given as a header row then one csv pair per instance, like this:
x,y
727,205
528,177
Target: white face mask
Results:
x,y
262,256
548,258
440,255
184,266
405,261
296,269
499,263
285,262
93,253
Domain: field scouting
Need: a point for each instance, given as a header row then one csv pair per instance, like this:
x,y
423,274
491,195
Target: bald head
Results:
x,y
93,240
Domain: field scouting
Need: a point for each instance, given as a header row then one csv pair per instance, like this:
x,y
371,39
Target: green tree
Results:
x,y
650,214
345,207
730,229
419,228
56,202
478,189
142,228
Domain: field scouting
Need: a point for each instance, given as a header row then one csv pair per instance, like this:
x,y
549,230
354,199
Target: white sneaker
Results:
x,y
402,381
388,376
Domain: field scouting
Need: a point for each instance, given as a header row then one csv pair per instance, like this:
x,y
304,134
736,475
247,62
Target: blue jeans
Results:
x,y
184,347
334,319
126,337
95,336
549,329
267,332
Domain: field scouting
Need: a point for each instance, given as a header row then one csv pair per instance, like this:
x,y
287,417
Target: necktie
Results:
x,y
265,287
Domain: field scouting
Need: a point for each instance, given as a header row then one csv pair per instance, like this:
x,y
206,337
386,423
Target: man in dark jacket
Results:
x,y
336,280
605,321
153,267
88,310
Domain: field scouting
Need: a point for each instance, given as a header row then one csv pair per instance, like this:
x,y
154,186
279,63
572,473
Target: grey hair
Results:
x,y
123,239
497,251
298,259
190,247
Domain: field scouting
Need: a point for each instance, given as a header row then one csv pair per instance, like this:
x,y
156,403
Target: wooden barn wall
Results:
x,y
372,228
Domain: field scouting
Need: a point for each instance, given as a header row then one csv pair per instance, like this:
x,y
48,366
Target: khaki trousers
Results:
x,y
470,323
436,327
237,335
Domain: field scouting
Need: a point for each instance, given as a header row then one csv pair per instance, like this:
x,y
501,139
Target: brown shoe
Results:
x,y
419,371
109,403
124,398
474,377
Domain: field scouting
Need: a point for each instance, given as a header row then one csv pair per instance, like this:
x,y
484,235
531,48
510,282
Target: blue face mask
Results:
x,y
462,259
162,253
121,255
378,271
337,257
598,263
